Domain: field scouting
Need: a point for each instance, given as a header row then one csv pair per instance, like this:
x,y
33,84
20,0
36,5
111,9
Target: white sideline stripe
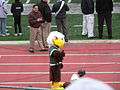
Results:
x,y
12,73
27,1
44,82
82,25
48,63
66,54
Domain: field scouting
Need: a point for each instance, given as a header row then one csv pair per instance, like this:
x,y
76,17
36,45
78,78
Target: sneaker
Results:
x,y
7,34
31,50
15,34
44,50
3,35
92,37
66,40
20,34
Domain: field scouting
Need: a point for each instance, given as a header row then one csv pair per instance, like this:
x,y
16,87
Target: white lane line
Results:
x,y
63,63
12,73
116,82
66,54
82,25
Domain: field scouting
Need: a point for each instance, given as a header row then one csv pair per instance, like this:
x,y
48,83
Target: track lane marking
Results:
x,y
63,63
47,82
62,73
66,54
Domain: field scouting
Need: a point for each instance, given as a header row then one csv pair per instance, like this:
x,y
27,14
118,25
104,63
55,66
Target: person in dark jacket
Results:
x,y
35,18
60,9
87,7
17,9
104,9
47,16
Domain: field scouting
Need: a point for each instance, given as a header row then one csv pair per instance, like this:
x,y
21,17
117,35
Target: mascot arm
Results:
x,y
62,53
56,54
58,57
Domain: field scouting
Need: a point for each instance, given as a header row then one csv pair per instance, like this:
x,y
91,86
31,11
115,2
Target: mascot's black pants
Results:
x,y
55,73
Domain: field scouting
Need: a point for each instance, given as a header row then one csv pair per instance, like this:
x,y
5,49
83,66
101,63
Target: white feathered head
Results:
x,y
56,38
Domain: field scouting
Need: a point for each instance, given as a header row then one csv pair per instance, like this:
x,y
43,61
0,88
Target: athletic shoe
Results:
x,y
15,34
92,37
3,35
31,50
20,34
44,50
7,34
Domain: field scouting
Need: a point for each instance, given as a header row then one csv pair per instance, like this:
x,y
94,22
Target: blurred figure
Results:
x,y
47,16
17,9
3,16
60,9
87,7
88,84
104,9
35,18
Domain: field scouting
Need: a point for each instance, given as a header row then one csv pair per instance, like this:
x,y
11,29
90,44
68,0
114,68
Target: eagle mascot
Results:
x,y
55,41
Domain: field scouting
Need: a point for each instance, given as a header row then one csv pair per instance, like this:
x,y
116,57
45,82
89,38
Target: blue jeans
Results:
x,y
3,26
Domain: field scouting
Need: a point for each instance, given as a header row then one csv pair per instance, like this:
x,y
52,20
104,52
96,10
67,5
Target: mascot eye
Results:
x,y
56,37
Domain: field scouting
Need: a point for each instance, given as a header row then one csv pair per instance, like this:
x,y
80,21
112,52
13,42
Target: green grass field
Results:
x,y
74,32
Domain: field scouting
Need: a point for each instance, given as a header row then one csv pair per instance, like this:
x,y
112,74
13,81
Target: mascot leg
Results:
x,y
56,85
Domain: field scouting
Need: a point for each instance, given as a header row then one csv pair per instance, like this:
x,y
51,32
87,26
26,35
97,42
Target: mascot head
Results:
x,y
55,38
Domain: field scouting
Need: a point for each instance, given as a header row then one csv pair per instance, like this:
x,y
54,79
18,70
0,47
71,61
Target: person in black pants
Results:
x,y
60,8
104,9
17,9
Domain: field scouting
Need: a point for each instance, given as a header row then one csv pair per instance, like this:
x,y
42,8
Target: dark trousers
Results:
x,y
108,18
17,22
55,73
61,26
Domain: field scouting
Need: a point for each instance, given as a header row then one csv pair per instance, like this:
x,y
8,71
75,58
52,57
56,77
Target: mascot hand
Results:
x,y
62,53
61,65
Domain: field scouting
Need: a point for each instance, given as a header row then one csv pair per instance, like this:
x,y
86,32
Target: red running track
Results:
x,y
18,67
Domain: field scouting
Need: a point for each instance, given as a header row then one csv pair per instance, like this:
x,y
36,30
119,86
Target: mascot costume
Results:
x,y
55,41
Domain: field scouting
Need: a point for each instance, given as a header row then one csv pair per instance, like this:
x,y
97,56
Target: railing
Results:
x,y
26,88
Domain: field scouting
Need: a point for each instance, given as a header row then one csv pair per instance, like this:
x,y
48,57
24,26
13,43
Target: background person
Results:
x,y
3,16
47,16
79,74
17,9
104,9
87,7
60,9
35,18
